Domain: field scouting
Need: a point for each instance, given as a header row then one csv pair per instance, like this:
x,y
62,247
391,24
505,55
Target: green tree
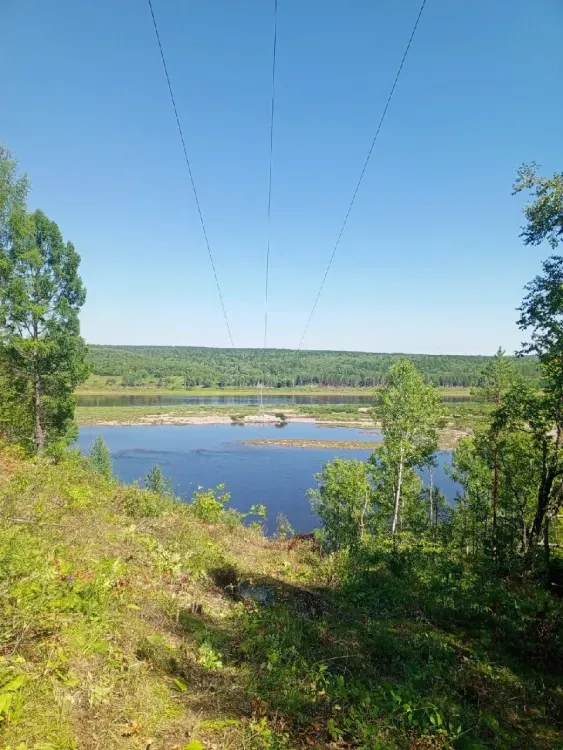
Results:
x,y
343,502
100,458
544,214
498,377
472,521
538,414
13,194
409,412
156,482
541,412
14,417
41,294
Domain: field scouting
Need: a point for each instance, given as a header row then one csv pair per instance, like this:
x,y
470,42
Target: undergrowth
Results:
x,y
131,621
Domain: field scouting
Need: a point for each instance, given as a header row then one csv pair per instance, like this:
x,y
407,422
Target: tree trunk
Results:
x,y
39,433
363,513
543,502
398,494
431,497
546,544
496,478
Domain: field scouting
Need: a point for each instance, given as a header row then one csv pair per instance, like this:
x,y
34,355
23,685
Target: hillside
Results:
x,y
207,367
131,622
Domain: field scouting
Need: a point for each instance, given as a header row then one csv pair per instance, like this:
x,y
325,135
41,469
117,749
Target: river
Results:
x,y
294,399
207,455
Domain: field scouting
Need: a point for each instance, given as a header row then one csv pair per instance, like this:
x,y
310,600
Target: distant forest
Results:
x,y
278,368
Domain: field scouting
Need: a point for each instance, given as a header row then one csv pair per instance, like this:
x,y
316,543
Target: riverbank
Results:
x,y
132,416
101,385
194,415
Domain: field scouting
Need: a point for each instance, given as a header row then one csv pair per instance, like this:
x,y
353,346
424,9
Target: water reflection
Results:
x,y
140,399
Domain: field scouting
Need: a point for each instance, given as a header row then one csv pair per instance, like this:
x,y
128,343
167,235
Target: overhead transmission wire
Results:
x,y
362,173
180,131
272,115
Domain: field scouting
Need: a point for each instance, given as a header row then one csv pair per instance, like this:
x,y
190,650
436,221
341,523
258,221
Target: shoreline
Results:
x,y
100,390
449,437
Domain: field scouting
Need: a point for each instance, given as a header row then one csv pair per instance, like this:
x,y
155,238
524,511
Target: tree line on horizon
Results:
x,y
280,368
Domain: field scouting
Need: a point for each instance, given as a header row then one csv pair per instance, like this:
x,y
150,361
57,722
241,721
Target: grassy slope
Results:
x,y
118,629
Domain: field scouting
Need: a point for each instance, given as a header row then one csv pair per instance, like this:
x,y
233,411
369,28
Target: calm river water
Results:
x,y
207,455
139,399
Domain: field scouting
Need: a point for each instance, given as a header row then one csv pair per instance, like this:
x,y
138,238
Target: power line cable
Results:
x,y
273,109
272,113
190,172
362,173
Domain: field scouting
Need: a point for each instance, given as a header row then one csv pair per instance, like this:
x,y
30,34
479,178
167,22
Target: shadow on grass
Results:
x,y
398,655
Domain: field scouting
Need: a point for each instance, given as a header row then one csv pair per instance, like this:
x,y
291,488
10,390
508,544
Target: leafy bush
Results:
x,y
209,505
142,503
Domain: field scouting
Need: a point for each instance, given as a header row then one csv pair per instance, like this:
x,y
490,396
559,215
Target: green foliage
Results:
x,y
209,658
10,683
409,411
278,368
544,214
138,623
157,483
209,505
342,502
100,458
42,356
142,503
284,529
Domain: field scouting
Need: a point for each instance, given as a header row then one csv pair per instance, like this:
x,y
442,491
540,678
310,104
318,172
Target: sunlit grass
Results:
x,y
122,626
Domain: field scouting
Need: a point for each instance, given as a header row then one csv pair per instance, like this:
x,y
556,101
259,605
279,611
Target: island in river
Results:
x,y
337,408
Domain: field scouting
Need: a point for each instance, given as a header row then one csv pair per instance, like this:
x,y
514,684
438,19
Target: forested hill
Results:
x,y
207,367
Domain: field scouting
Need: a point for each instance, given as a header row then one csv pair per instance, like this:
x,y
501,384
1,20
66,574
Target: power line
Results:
x,y
273,108
190,172
362,173
272,113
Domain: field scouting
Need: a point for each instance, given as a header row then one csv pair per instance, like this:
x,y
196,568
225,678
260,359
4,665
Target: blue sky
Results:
x,y
430,261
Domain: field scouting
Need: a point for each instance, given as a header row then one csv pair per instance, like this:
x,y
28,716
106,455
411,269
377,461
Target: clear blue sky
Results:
x,y
431,260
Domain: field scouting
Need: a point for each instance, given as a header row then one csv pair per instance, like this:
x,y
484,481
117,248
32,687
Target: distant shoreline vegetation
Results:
x,y
176,367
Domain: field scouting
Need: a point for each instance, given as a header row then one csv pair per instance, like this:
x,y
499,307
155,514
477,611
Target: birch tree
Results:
x,y
409,413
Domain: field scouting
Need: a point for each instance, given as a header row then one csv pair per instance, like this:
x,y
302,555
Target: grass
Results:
x,y
99,385
448,440
332,444
124,624
466,415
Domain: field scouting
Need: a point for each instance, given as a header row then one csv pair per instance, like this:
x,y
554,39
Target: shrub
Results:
x,y
209,505
283,528
100,458
156,482
142,503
